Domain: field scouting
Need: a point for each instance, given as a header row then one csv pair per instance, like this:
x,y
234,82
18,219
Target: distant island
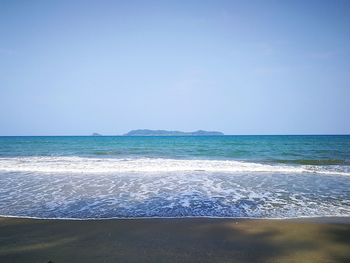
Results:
x,y
146,132
96,134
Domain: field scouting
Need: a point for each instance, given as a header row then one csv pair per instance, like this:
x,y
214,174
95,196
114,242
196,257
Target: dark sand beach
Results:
x,y
175,240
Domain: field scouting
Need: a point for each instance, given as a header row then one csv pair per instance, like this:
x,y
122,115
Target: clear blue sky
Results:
x,y
241,67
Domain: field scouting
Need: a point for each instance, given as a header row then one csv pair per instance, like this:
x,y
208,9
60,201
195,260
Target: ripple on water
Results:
x,y
174,194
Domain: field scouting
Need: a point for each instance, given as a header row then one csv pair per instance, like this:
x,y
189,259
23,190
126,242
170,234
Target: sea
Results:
x,y
100,177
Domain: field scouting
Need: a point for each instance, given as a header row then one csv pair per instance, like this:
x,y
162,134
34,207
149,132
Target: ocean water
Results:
x,y
214,176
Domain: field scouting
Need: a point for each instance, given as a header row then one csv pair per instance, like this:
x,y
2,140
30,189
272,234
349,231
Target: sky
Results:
x,y
240,67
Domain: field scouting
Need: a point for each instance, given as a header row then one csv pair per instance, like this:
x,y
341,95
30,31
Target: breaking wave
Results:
x,y
157,165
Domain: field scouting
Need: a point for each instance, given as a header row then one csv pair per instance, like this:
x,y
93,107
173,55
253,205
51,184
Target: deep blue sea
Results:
x,y
214,176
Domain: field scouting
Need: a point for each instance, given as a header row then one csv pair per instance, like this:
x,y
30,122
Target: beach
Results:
x,y
174,199
175,240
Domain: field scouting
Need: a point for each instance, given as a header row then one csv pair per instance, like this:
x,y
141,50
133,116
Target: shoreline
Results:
x,y
314,219
322,239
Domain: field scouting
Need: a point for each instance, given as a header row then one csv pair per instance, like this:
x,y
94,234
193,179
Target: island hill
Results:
x,y
172,133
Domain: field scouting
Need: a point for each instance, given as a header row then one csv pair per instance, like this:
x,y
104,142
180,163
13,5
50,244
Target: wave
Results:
x,y
313,162
157,165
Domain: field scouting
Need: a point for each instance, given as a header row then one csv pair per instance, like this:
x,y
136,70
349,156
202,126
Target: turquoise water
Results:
x,y
258,148
224,176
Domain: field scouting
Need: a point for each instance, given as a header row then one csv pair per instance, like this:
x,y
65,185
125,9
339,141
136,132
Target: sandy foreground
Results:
x,y
175,240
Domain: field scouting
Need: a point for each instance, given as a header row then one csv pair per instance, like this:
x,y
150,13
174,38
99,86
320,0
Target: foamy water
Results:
x,y
158,165
173,195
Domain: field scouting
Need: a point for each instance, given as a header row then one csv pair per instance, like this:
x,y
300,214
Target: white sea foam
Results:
x,y
91,192
156,165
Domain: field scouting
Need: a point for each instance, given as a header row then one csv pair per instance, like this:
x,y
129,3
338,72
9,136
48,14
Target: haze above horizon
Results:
x,y
239,67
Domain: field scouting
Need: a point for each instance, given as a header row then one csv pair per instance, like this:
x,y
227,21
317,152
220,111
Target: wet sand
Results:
x,y
175,240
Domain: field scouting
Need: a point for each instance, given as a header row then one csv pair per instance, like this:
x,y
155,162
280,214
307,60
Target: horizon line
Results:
x,y
123,135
